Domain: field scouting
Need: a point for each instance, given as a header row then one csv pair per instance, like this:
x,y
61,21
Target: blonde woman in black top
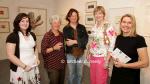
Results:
x,y
134,46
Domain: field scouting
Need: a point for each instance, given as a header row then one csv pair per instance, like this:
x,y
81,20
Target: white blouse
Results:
x,y
27,54
97,46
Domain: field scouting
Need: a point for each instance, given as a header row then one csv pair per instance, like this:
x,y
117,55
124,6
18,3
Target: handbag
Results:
x,y
76,51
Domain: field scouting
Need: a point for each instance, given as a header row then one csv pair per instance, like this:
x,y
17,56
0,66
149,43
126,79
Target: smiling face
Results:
x,y
73,18
99,16
24,24
99,13
55,24
126,25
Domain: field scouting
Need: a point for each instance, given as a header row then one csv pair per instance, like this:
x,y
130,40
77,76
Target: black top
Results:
x,y
14,38
82,36
129,46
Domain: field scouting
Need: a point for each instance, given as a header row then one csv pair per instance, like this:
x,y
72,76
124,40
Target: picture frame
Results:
x,y
41,29
89,19
4,27
4,12
90,6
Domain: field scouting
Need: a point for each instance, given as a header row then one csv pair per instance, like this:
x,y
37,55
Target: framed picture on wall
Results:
x,y
4,27
89,19
4,14
90,6
38,17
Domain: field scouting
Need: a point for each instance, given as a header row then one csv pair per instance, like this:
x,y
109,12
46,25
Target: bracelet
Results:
x,y
53,48
25,67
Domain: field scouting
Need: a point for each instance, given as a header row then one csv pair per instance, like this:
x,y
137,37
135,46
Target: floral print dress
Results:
x,y
98,48
102,42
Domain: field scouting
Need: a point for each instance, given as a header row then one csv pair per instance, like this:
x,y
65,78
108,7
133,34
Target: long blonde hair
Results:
x,y
133,29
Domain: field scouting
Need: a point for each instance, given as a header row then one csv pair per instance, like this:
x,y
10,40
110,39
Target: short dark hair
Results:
x,y
70,13
17,20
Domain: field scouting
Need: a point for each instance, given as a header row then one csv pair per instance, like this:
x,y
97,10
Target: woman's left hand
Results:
x,y
37,61
118,64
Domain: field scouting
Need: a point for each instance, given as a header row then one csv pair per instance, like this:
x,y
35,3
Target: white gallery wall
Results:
x,y
114,9
13,6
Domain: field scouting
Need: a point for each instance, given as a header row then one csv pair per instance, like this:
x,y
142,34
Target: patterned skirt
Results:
x,y
23,77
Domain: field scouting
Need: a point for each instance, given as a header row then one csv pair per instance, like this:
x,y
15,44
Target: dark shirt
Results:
x,y
82,36
129,46
54,59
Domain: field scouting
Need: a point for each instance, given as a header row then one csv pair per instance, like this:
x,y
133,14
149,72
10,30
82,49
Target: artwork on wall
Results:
x,y
4,27
89,19
38,19
116,13
90,6
4,13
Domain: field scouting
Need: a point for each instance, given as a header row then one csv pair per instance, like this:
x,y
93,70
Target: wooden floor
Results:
x,y
4,73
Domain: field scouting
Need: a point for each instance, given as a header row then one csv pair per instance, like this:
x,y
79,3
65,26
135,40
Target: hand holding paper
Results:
x,y
118,54
34,66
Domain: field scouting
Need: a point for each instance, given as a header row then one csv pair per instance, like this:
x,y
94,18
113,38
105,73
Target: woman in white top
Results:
x,y
22,52
102,44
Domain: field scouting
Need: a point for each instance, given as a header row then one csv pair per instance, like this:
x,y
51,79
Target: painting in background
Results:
x,y
90,6
89,19
4,14
4,27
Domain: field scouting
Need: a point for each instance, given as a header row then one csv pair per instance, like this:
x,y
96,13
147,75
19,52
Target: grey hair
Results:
x,y
54,17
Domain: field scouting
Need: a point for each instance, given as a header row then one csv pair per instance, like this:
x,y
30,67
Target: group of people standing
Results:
x,y
67,47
